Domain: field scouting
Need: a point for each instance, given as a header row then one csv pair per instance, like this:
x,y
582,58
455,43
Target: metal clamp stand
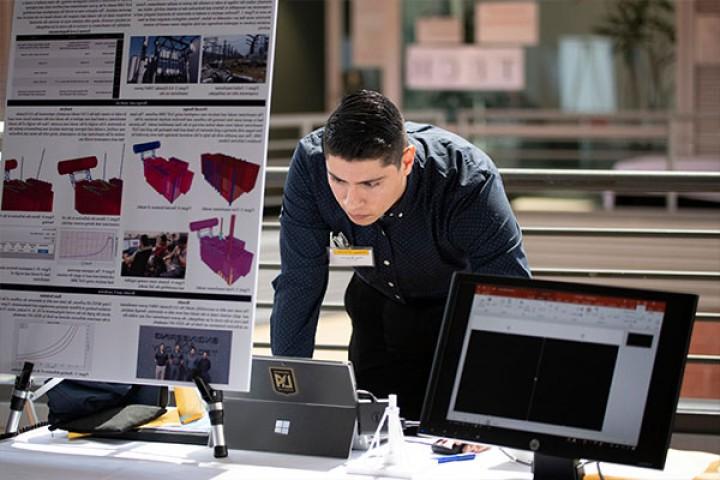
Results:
x,y
389,462
20,394
213,398
23,399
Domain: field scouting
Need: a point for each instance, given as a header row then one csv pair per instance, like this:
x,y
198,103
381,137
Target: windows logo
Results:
x,y
282,427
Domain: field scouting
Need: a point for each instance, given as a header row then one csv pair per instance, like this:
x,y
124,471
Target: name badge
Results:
x,y
351,257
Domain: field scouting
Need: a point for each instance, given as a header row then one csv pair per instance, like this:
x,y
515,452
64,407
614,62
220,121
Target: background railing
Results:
x,y
548,139
706,282
522,137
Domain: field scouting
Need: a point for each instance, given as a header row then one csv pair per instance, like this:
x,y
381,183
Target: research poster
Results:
x,y
134,156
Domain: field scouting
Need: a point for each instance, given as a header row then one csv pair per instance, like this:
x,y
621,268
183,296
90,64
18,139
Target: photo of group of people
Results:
x,y
177,354
154,254
179,365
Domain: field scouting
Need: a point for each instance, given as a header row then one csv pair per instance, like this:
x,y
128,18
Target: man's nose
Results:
x,y
353,197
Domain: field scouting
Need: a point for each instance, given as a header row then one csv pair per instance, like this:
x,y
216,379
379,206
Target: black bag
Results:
x,y
76,400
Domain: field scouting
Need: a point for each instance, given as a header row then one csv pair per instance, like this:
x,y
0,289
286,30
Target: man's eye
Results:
x,y
372,184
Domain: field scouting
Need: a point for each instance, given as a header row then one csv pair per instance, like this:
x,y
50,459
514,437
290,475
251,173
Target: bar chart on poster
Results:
x,y
27,243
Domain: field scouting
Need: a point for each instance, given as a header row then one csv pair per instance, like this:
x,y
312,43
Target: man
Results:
x,y
137,263
177,364
161,361
427,202
176,260
203,366
192,361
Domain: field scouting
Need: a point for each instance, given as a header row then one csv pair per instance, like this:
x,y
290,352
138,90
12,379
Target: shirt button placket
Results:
x,y
385,246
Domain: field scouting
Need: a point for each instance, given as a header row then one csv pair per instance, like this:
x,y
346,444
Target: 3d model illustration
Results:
x,y
225,255
230,176
169,177
29,195
93,197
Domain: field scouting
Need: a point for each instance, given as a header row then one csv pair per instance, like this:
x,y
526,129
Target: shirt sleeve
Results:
x,y
483,225
301,284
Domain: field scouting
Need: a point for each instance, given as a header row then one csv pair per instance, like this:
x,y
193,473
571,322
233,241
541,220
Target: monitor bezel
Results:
x,y
664,389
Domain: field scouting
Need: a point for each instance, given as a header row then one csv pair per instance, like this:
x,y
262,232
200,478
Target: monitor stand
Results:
x,y
546,467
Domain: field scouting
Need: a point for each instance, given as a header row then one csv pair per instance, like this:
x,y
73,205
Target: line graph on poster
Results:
x,y
54,346
87,245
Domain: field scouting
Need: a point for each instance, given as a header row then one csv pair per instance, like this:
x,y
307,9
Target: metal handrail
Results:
x,y
519,179
691,358
330,307
339,307
573,272
593,231
707,359
557,131
622,232
707,317
523,179
468,114
645,274
471,115
323,346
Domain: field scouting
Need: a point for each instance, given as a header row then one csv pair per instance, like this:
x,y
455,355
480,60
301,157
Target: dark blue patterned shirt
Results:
x,y
453,215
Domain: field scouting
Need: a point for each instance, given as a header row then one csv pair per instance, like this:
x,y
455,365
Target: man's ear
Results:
x,y
407,160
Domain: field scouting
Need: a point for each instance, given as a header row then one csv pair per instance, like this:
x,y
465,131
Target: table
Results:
x,y
41,454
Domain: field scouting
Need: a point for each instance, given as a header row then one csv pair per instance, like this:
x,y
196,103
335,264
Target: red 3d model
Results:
x,y
170,178
31,195
93,197
226,256
230,176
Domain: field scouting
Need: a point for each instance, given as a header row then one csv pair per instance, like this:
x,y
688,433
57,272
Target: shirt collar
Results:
x,y
406,203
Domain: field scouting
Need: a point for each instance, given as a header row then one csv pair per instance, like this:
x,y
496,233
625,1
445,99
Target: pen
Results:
x,y
456,458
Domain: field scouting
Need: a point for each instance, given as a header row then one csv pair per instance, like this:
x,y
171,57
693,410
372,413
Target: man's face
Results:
x,y
366,189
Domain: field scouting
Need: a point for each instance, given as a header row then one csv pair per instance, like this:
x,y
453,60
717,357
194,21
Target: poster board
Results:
x,y
134,154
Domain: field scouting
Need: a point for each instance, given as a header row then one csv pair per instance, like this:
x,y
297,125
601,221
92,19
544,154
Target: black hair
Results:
x,y
365,126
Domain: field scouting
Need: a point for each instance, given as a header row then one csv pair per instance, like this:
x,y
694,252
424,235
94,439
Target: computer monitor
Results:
x,y
566,370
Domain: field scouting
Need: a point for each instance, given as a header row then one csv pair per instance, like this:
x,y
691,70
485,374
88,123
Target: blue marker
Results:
x,y
456,458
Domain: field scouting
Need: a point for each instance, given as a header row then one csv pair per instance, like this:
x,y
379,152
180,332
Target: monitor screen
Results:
x,y
563,369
